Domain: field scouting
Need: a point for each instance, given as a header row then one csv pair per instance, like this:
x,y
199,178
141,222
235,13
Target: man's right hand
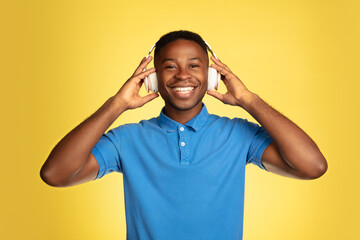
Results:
x,y
128,96
71,161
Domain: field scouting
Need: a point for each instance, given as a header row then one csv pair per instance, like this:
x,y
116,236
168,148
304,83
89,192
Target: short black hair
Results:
x,y
176,35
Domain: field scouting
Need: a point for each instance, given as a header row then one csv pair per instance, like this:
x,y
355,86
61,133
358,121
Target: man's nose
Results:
x,y
183,74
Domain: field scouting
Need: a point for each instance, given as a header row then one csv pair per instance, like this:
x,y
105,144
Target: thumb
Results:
x,y
149,98
216,95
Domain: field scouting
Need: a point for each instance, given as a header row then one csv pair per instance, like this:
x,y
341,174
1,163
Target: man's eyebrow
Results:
x,y
173,59
168,59
195,58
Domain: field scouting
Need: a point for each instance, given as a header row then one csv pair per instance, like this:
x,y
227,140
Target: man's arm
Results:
x,y
71,161
293,153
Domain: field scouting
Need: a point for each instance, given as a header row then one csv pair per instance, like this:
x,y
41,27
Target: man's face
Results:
x,y
182,69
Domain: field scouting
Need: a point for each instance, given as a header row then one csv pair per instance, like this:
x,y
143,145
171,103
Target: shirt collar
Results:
x,y
196,123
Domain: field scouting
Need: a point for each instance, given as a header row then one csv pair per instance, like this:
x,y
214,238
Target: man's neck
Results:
x,y
182,116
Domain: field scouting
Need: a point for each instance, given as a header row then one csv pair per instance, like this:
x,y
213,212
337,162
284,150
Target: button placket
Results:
x,y
183,145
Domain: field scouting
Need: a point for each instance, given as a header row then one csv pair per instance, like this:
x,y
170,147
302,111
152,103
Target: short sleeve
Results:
x,y
106,152
259,141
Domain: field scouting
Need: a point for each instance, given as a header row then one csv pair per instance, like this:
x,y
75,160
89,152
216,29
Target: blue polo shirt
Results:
x,y
183,181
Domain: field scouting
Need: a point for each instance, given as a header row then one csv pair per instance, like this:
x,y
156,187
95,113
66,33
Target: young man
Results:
x,y
183,171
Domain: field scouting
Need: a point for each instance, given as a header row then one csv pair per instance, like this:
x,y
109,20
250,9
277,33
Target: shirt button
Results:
x,y
182,144
182,129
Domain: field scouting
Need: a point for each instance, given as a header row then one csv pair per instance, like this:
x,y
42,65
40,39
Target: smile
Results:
x,y
183,92
183,89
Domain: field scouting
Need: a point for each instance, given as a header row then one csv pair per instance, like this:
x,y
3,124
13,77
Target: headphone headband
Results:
x,y
208,46
151,49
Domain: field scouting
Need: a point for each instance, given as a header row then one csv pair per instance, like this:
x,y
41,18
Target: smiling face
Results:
x,y
182,68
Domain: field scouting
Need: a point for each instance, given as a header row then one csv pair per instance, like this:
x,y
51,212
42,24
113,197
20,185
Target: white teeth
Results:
x,y
183,89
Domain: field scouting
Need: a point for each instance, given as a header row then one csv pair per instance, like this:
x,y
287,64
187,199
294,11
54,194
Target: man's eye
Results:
x,y
170,67
194,66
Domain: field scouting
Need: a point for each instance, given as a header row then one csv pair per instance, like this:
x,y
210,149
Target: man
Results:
x,y
183,171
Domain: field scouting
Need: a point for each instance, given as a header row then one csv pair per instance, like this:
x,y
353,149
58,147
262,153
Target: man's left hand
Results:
x,y
237,94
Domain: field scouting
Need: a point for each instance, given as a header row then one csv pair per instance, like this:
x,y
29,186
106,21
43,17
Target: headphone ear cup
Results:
x,y
146,83
213,79
151,83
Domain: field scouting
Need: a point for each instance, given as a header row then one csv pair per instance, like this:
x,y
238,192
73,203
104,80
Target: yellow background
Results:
x,y
61,60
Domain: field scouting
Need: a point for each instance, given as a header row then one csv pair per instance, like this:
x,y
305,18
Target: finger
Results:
x,y
137,69
216,95
142,75
221,70
149,98
144,62
217,61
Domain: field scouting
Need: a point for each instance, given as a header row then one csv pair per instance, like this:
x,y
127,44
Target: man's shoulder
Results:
x,y
152,122
237,127
216,119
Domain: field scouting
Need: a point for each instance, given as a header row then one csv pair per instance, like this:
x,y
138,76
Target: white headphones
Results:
x,y
151,82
